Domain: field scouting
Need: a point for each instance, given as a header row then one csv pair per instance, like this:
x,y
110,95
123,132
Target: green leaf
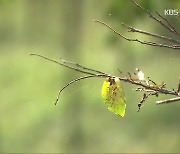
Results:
x,y
113,95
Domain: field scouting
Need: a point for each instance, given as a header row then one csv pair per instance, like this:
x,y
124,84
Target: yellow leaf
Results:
x,y
113,95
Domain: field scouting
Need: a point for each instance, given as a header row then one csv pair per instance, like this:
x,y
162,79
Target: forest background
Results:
x,y
29,121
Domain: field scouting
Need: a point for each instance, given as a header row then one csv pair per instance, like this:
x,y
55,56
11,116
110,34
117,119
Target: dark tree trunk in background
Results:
x,y
72,48
38,21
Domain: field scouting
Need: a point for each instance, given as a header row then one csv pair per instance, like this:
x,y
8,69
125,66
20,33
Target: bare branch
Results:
x,y
136,40
76,80
129,80
131,29
62,64
168,101
145,96
160,90
101,22
82,67
148,89
157,20
167,22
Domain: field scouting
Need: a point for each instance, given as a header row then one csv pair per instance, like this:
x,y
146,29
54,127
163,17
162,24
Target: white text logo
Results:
x,y
171,12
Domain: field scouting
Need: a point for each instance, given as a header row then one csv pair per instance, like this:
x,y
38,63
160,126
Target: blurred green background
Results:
x,y
29,121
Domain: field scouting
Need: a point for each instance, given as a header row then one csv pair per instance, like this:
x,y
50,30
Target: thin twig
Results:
x,y
131,29
54,61
153,17
149,80
167,22
76,80
168,101
101,22
80,66
145,96
136,40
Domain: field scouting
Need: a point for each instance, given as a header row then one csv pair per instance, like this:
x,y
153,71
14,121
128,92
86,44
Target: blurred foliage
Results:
x,y
29,121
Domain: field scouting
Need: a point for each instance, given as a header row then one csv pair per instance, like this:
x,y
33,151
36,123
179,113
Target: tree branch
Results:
x,y
131,29
146,87
149,87
168,101
157,20
137,40
169,27
81,67
62,64
167,22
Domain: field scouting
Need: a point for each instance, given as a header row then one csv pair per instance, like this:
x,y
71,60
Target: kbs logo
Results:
x,y
171,12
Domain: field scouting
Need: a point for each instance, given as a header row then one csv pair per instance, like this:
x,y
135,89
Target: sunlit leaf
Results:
x,y
113,95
